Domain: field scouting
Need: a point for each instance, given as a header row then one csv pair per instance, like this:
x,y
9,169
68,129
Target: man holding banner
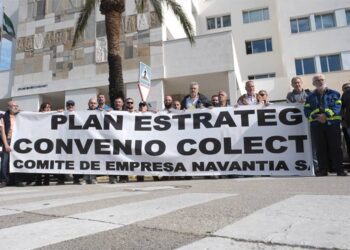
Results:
x,y
7,124
195,99
323,108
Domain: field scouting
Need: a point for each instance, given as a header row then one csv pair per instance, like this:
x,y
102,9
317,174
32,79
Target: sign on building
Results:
x,y
145,75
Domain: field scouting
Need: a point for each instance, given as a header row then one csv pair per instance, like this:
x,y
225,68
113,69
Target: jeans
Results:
x,y
5,162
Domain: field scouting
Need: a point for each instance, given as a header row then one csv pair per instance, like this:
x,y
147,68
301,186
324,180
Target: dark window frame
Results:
x,y
298,26
219,22
261,76
300,65
264,15
252,46
347,14
328,66
321,17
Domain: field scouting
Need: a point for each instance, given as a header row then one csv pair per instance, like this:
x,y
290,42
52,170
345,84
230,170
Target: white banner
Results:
x,y
254,140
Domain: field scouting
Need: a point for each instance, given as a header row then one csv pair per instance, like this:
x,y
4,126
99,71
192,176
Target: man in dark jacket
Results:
x,y
345,108
323,108
195,100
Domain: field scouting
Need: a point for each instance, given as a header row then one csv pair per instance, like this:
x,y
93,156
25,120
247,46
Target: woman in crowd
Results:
x,y
263,97
177,105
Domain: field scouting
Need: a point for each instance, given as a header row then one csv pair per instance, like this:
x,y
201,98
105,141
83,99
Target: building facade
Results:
x,y
269,41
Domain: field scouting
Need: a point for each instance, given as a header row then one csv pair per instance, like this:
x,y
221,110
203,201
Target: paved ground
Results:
x,y
242,213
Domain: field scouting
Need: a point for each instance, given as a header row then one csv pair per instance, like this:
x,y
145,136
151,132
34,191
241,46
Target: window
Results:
x,y
348,17
300,25
100,29
325,21
331,63
211,23
252,16
5,54
261,76
226,20
258,46
218,22
305,66
40,9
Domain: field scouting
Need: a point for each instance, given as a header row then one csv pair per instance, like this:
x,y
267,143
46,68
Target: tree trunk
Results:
x,y
113,10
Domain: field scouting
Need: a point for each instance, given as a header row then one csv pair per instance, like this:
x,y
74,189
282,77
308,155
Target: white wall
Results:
x,y
312,43
211,53
28,103
253,64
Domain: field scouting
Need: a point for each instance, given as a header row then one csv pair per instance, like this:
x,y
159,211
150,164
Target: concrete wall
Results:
x,y
249,64
211,53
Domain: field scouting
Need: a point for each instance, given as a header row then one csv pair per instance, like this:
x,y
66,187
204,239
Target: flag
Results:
x,y
8,26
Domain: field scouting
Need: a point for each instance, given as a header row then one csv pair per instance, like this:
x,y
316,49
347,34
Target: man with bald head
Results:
x,y
92,104
7,123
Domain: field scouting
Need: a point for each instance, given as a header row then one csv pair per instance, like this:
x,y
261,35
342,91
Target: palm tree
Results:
x,y
113,10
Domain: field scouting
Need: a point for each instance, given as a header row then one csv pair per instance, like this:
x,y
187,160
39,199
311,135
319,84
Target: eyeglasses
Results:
x,y
129,103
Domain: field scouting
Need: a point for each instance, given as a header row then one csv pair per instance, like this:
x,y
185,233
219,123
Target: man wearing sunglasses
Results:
x,y
263,97
129,105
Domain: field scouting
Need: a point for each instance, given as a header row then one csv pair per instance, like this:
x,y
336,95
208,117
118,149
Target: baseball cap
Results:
x,y
142,104
70,102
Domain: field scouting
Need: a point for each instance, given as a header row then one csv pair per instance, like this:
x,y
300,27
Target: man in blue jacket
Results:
x,y
323,109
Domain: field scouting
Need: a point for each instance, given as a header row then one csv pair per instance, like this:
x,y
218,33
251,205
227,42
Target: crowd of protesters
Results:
x,y
325,109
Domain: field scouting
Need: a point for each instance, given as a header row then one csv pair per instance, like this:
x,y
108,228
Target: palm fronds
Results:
x,y
180,14
176,8
83,18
